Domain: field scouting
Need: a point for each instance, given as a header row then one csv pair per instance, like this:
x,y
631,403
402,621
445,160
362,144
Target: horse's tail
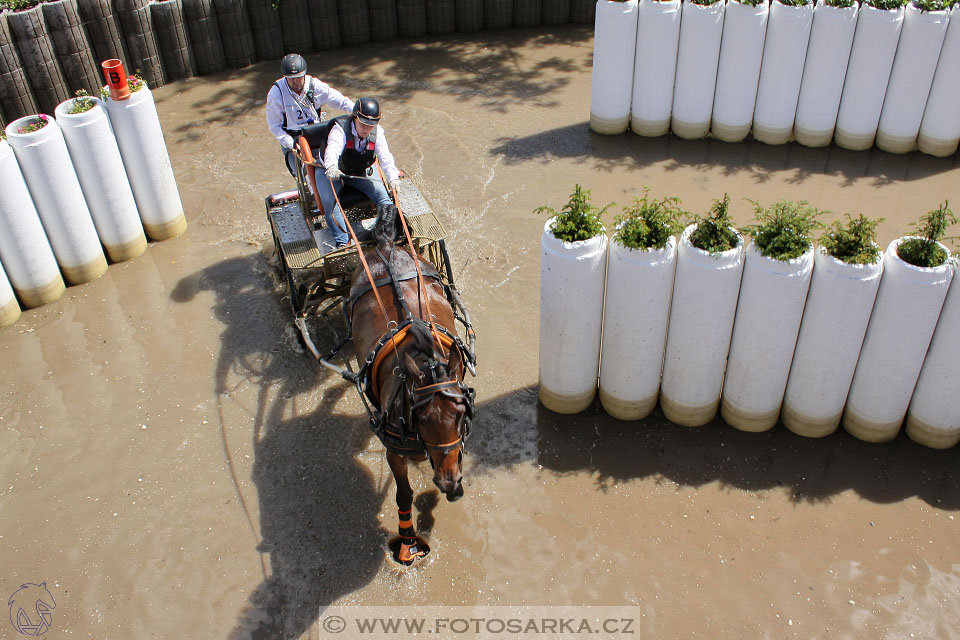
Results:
x,y
385,230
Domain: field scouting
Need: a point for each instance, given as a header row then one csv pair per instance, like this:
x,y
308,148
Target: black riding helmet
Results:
x,y
367,110
293,66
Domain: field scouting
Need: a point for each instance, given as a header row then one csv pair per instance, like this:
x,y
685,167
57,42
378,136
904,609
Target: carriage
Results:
x,y
318,275
411,363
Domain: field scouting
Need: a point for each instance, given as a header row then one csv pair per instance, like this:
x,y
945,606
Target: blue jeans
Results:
x,y
373,189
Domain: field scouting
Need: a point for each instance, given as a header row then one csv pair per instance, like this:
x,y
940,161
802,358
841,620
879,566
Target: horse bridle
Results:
x,y
454,389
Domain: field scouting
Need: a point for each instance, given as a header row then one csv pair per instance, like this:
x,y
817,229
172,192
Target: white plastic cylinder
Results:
x,y
655,66
933,418
103,179
636,310
831,333
940,126
868,73
614,44
831,39
698,55
698,335
571,319
901,326
911,78
738,71
52,180
765,328
144,152
24,249
784,52
9,307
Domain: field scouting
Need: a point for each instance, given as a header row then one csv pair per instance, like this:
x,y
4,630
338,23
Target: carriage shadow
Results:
x,y
316,505
515,428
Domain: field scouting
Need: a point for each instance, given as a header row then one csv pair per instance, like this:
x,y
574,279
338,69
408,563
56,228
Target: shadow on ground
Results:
x,y
317,504
514,428
482,67
749,159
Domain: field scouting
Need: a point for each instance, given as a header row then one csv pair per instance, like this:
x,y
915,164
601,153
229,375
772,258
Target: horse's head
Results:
x,y
442,409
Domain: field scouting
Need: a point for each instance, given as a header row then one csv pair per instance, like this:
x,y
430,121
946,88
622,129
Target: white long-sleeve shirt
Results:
x,y
297,107
338,140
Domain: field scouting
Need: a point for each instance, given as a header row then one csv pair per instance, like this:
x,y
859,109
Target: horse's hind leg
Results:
x,y
411,547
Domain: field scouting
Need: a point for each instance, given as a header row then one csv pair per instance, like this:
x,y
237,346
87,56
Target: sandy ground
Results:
x,y
172,464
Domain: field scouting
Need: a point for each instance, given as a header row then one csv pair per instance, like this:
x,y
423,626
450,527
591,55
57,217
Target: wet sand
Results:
x,y
173,464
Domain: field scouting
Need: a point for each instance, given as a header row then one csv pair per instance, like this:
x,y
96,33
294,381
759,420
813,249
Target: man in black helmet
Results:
x,y
295,100
355,142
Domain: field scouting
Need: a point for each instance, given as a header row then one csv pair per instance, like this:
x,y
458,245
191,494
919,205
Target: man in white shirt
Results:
x,y
296,100
355,142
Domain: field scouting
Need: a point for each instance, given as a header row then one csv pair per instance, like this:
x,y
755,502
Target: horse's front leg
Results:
x,y
411,547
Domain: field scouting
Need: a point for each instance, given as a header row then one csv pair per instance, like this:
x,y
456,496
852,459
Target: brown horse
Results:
x,y
413,375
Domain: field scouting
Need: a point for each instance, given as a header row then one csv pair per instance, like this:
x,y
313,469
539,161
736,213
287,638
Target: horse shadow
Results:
x,y
516,428
314,522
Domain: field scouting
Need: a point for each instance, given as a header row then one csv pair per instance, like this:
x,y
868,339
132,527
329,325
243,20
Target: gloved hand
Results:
x,y
395,185
286,142
334,173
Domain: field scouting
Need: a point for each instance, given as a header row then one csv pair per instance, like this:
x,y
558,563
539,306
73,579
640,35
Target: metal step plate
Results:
x,y
423,222
296,240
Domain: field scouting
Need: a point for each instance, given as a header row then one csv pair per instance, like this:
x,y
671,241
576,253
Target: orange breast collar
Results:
x,y
388,347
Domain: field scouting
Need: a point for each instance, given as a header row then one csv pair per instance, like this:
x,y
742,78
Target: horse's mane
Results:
x,y
385,231
422,337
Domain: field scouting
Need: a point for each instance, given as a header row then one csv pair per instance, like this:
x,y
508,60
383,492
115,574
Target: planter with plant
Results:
x,y
24,249
784,53
741,50
103,179
916,277
776,277
139,135
698,56
879,23
640,270
705,290
940,129
824,70
933,418
921,40
847,272
41,152
655,67
614,42
573,261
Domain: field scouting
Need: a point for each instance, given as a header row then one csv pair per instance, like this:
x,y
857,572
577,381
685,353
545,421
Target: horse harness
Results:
x,y
397,428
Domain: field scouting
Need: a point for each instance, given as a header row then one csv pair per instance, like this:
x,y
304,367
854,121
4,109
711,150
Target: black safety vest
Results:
x,y
355,161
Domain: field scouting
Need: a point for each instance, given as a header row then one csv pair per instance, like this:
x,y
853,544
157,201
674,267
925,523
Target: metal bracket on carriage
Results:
x,y
347,375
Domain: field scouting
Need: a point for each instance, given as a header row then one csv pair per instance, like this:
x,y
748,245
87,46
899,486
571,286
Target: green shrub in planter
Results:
x,y
925,251
649,223
842,4
853,242
714,232
932,5
82,102
794,3
579,220
886,5
782,231
705,3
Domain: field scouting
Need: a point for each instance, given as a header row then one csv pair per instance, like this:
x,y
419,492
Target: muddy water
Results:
x,y
173,465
